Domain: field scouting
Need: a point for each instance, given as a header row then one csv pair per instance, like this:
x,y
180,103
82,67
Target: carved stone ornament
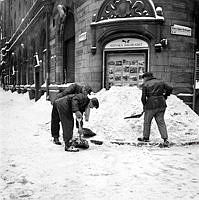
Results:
x,y
111,9
62,13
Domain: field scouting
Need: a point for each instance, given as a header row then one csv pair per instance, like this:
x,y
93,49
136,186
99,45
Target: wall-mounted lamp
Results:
x,y
37,60
162,44
158,47
93,50
159,11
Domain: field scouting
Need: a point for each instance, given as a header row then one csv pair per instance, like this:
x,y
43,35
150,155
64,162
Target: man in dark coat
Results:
x,y
75,89
66,106
154,95
55,119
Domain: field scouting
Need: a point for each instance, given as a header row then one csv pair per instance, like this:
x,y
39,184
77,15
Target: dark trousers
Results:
x,y
55,120
158,114
66,118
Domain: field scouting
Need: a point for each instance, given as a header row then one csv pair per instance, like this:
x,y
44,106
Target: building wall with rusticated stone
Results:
x,y
101,43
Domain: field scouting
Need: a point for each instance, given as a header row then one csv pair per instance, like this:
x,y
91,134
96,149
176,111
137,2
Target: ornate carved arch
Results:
x,y
114,9
115,12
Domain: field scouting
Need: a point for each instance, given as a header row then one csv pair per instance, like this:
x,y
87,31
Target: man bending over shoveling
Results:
x,y
55,120
66,106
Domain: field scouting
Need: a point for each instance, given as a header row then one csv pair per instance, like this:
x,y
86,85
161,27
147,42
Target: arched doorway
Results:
x,y
69,49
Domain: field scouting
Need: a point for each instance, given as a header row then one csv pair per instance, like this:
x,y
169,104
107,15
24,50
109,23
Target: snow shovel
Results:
x,y
135,116
81,143
80,131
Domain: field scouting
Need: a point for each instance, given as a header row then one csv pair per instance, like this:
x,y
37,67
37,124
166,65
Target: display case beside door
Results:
x,y
124,69
124,64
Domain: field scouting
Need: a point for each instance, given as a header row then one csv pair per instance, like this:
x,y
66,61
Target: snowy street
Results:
x,y
32,167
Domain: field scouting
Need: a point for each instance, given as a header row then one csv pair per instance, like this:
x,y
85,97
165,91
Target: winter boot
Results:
x,y
143,139
56,141
165,143
69,147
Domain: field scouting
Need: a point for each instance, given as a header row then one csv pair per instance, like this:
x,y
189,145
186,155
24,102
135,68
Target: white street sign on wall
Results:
x,y
82,36
180,30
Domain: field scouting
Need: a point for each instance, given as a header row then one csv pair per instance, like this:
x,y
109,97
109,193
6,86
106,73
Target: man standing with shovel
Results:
x,y
154,95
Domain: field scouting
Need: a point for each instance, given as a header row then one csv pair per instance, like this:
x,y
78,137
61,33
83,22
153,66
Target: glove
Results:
x,y
78,115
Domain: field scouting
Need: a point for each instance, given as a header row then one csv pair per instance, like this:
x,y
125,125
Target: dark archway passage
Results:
x,y
69,49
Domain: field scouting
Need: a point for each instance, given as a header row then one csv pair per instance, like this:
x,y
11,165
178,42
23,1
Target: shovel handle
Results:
x,y
79,127
79,123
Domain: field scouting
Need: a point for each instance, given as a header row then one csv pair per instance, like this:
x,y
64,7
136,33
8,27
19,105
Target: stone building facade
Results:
x,y
50,43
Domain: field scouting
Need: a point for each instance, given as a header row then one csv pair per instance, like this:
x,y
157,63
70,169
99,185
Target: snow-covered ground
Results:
x,y
119,102
32,167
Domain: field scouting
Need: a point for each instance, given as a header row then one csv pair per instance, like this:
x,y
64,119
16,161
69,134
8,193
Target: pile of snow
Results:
x,y
118,102
108,120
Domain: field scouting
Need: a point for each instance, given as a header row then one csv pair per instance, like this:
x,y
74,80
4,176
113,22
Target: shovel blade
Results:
x,y
134,116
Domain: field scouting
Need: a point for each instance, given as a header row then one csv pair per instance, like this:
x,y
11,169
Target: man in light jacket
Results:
x,y
154,95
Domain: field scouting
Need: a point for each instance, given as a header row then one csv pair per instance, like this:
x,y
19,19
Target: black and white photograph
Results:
x,y
133,69
99,99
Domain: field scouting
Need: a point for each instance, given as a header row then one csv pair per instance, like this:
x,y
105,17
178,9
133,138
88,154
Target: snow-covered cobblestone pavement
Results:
x,y
32,167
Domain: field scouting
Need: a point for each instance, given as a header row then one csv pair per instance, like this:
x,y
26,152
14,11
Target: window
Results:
x,y
53,22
